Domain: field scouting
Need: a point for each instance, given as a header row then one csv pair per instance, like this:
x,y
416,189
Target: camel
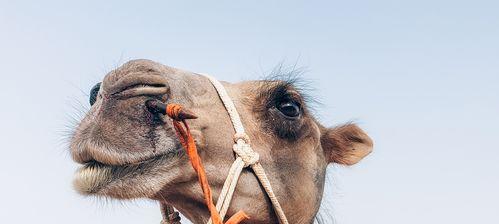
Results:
x,y
128,152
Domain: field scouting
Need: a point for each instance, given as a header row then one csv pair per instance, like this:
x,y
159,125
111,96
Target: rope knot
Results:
x,y
242,136
173,111
176,112
244,150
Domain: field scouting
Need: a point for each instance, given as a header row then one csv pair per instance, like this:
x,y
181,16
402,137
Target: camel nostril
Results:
x,y
139,85
155,106
94,93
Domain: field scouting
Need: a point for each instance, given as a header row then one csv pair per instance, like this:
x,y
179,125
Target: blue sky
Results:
x,y
422,77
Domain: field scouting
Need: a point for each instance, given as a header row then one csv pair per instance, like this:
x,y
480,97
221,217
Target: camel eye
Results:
x,y
289,109
93,93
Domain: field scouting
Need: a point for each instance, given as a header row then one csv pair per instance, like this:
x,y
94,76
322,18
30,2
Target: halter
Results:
x,y
245,157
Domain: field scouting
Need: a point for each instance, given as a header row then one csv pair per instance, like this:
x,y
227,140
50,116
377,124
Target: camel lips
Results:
x,y
155,106
90,178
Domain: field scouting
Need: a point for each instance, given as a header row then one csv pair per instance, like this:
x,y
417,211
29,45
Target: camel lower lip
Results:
x,y
92,177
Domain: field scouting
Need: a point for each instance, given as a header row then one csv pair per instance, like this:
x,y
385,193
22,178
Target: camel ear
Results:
x,y
346,144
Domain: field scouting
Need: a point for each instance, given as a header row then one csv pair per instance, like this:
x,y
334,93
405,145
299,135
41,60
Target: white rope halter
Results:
x,y
245,157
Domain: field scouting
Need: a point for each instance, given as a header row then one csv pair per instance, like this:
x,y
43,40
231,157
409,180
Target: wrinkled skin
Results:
x,y
127,152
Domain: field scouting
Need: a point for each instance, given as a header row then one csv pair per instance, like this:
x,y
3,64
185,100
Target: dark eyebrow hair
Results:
x,y
270,91
282,81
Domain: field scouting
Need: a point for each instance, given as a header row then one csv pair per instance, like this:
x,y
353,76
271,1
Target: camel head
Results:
x,y
126,151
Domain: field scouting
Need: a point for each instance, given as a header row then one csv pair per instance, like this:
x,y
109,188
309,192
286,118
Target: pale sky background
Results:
x,y
422,77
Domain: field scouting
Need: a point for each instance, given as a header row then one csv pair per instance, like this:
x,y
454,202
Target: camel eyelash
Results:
x,y
279,92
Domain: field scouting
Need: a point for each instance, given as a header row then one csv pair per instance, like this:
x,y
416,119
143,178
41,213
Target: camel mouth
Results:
x,y
94,176
91,177
113,161
92,153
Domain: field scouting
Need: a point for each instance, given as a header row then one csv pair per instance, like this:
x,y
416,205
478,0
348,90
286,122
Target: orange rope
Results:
x,y
187,141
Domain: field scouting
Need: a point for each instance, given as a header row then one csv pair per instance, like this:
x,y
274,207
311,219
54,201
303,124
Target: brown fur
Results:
x,y
128,152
